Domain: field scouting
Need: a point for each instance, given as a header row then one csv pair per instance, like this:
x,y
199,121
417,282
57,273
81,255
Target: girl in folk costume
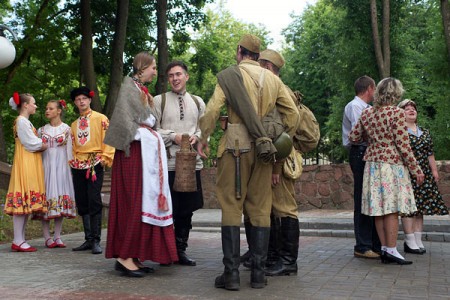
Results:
x,y
26,192
140,224
58,178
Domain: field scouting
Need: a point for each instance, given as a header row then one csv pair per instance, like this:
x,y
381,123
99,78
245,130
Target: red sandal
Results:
x,y
61,244
52,245
19,248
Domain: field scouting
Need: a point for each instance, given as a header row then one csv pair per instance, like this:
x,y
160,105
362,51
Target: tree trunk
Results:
x,y
445,12
382,52
163,49
118,47
86,54
386,35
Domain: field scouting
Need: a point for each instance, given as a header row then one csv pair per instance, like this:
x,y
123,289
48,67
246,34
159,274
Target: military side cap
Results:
x,y
272,56
250,42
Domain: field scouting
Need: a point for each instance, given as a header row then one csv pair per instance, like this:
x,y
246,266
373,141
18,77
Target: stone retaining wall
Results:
x,y
319,187
323,187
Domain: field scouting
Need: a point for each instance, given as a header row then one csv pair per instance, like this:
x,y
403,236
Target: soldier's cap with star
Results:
x,y
272,56
250,42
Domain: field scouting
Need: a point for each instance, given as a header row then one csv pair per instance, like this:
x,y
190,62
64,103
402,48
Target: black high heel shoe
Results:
x,y
127,272
389,258
412,251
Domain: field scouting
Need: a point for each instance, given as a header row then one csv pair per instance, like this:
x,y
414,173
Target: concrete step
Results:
x,y
437,224
327,223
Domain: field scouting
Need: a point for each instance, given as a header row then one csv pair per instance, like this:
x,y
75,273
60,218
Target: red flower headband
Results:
x,y
91,94
16,98
63,103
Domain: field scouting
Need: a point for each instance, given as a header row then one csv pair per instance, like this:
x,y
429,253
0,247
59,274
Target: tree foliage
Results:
x,y
330,45
214,49
49,60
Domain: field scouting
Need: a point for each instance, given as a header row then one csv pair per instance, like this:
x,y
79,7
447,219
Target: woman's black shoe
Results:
x,y
389,258
127,272
147,269
413,251
423,250
143,268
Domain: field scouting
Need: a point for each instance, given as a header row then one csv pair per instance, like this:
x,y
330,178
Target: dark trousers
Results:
x,y
365,232
185,203
88,195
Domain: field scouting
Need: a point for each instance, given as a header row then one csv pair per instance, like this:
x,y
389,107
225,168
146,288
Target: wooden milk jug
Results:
x,y
185,161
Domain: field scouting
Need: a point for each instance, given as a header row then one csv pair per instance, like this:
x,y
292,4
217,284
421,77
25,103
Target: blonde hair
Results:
x,y
142,61
389,91
24,98
58,106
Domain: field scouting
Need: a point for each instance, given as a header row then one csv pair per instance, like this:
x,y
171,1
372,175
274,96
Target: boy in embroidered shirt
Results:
x,y
90,156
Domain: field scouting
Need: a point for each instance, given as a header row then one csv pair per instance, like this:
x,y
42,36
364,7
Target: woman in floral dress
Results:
x,y
58,178
387,189
428,199
26,192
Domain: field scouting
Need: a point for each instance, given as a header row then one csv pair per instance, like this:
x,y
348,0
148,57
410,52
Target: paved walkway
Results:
x,y
327,270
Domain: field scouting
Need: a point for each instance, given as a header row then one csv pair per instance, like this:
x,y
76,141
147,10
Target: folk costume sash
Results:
x,y
232,84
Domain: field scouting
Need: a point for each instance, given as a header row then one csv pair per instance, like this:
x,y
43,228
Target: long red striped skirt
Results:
x,y
128,236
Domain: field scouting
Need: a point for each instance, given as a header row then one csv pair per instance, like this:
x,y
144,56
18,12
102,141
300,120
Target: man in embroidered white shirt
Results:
x,y
90,156
178,112
367,241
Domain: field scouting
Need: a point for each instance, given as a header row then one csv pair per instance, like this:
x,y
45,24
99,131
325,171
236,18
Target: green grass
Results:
x,y
34,227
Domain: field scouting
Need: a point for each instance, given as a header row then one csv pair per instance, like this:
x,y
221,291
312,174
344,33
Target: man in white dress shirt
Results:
x,y
367,241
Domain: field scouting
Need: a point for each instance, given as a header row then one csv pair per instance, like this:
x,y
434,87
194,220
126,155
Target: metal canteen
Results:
x,y
283,144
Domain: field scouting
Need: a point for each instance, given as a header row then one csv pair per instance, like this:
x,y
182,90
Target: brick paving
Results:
x,y
327,270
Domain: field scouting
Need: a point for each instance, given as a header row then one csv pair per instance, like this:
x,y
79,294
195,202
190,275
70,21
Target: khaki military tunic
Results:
x,y
255,175
283,194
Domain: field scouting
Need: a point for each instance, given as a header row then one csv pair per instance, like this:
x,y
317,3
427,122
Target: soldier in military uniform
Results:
x,y
241,154
285,231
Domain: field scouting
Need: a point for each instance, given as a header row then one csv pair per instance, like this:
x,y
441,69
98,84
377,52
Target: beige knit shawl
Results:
x,y
128,113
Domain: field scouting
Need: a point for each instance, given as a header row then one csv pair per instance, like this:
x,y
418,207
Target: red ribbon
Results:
x,y
16,98
63,103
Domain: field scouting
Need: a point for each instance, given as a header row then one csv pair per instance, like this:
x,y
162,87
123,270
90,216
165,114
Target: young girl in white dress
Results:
x,y
58,179
26,192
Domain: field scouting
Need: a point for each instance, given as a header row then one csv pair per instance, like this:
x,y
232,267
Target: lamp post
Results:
x,y
7,50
